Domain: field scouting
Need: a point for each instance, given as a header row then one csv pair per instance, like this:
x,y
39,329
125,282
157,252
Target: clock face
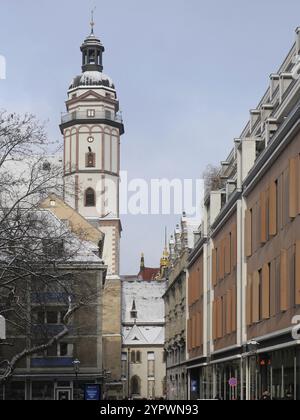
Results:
x,y
90,139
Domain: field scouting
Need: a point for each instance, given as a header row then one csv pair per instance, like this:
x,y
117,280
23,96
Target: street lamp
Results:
x,y
76,364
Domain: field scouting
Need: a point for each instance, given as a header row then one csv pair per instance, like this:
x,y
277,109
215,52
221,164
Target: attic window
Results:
x,y
133,314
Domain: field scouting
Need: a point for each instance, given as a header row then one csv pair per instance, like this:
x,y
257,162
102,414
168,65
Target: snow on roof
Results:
x,y
45,171
46,225
137,335
92,78
148,297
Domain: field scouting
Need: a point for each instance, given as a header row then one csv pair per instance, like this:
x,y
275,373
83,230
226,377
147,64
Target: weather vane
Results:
x,y
92,20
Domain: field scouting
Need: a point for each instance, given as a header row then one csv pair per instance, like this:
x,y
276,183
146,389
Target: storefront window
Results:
x,y
298,375
227,375
42,391
289,360
207,383
195,389
15,391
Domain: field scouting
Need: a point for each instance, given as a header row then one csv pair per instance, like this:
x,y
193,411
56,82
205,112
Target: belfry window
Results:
x,y
90,159
90,198
91,113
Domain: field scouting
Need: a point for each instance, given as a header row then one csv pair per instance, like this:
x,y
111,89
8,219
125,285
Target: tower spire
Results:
x,y
92,23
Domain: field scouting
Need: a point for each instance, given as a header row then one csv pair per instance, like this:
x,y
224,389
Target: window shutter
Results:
x,y
249,301
190,333
263,216
198,323
255,298
234,247
234,309
221,260
273,293
273,209
228,254
214,267
297,274
293,196
248,233
229,312
194,332
284,280
219,318
214,323
266,292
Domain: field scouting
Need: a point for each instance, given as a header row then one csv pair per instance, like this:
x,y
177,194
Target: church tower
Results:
x,y
91,129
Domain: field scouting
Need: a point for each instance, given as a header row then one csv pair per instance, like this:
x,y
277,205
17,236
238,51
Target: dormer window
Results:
x,y
133,312
90,198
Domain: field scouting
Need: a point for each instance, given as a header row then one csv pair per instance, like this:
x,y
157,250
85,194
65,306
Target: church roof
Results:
x,y
143,335
148,299
148,274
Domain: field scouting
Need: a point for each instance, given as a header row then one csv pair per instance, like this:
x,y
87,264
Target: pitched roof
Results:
x,y
148,274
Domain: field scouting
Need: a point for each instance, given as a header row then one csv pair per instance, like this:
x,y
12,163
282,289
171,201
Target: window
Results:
x,y
53,248
133,357
90,199
151,364
51,317
65,350
40,317
108,114
124,365
138,357
135,385
42,391
90,139
46,166
91,113
90,159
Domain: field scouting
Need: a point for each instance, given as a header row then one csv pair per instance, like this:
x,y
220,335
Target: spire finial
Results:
x,y
166,240
92,20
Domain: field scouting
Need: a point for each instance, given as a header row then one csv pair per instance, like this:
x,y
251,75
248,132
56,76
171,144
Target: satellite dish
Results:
x,y
2,328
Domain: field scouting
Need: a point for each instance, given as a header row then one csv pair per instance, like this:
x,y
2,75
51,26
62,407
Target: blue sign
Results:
x,y
92,392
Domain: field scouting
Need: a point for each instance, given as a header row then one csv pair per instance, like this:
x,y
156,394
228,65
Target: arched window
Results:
x,y
135,385
90,198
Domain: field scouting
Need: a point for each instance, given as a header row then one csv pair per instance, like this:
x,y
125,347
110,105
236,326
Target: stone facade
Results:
x,y
143,330
92,128
176,309
244,281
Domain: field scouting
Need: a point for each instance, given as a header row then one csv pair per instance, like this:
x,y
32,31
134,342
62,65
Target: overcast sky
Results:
x,y
187,72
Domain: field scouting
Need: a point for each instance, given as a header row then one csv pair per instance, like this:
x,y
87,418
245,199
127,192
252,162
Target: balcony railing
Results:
x,y
97,115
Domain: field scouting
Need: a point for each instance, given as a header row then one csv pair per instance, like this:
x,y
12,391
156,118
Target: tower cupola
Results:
x,y
92,52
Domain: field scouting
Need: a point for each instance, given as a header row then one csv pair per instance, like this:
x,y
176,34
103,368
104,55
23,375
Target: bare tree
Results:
x,y
37,251
212,178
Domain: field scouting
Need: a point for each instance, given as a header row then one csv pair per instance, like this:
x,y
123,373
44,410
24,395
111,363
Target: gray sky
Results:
x,y
187,72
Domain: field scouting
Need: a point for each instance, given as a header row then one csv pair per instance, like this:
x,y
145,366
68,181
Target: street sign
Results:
x,y
92,392
233,382
2,328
